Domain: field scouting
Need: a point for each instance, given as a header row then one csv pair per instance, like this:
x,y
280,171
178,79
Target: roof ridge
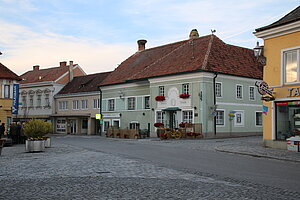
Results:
x,y
163,57
207,52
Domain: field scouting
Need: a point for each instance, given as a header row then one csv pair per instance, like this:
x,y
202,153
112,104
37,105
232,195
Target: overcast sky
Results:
x,y
100,34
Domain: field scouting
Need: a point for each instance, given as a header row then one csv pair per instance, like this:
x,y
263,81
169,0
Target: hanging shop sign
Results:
x,y
294,92
263,88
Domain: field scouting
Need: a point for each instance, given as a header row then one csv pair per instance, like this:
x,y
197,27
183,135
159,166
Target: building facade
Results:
x,y
39,86
77,105
281,73
201,80
7,80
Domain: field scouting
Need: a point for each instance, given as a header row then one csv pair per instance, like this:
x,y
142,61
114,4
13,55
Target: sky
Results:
x,y
100,34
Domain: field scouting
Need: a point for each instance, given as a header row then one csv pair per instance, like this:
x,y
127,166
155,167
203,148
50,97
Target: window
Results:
x,y
6,91
251,93
161,91
106,125
218,90
75,105
239,118
39,100
24,101
47,102
63,105
111,104
131,103
185,88
147,102
258,118
220,120
160,117
239,91
96,103
187,116
84,104
291,65
31,101
134,125
61,125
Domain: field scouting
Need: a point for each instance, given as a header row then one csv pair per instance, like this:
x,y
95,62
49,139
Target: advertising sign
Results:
x,y
15,101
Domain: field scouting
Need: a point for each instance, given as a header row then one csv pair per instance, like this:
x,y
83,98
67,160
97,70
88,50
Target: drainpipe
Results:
x,y
100,108
215,102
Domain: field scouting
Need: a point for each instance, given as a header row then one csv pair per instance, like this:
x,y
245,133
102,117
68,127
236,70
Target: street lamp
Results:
x,y
259,53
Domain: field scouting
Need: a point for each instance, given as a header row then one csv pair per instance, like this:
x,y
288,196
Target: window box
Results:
x,y
160,98
184,96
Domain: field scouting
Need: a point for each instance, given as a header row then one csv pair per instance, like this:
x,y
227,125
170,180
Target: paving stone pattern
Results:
x,y
68,172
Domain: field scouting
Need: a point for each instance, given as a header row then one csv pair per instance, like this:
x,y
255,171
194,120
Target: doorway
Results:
x,y
73,126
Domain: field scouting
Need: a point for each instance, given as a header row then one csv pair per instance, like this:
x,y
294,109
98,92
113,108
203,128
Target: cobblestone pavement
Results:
x,y
69,172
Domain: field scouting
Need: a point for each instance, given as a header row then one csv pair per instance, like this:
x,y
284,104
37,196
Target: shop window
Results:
x,y
287,119
258,118
160,117
106,125
134,125
220,117
61,125
84,124
187,116
291,65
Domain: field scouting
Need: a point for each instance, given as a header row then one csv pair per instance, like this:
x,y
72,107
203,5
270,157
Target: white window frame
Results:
x,y
47,100
111,106
116,120
63,105
283,74
190,117
134,103
7,92
186,88
261,119
24,101
160,116
220,89
96,103
84,104
242,123
254,96
224,117
241,92
39,100
75,104
31,97
161,90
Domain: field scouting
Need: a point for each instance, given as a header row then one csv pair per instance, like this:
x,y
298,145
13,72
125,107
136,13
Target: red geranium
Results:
x,y
158,124
184,96
160,98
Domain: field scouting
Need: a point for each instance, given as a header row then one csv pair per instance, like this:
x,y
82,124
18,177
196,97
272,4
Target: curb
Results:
x,y
257,155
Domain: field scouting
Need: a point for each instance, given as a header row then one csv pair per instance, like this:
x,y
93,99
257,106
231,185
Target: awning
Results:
x,y
171,109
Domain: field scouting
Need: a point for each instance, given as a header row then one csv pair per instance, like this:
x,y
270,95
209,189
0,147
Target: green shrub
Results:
x,y
37,128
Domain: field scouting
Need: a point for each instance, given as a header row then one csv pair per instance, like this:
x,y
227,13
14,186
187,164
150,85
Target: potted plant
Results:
x,y
184,96
34,130
160,98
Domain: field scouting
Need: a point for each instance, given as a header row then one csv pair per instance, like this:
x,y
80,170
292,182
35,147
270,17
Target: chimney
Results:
x,y
71,73
194,34
36,67
63,64
141,44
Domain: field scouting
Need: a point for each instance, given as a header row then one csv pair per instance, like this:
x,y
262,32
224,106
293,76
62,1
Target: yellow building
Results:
x,y
7,79
282,74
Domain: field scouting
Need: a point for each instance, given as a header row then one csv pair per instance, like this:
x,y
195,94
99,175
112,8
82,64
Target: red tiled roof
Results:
x,y
6,73
207,53
88,83
44,75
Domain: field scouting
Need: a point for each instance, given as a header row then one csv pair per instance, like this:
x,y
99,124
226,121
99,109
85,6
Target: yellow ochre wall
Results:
x,y
272,73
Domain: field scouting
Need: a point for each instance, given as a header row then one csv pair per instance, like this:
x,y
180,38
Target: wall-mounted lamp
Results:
x,y
259,53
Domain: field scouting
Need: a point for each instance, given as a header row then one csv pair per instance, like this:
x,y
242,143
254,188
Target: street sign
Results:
x,y
98,116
